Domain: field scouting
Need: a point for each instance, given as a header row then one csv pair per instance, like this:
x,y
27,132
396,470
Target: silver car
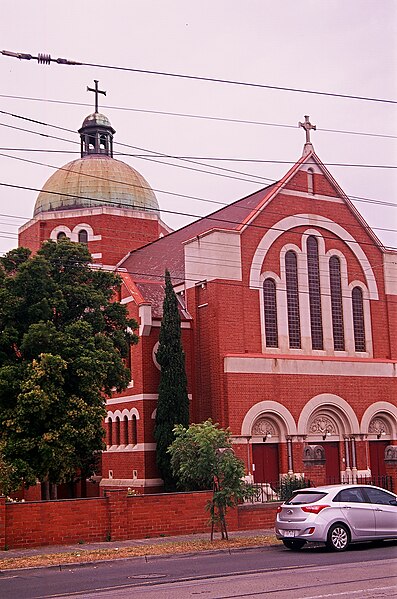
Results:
x,y
337,515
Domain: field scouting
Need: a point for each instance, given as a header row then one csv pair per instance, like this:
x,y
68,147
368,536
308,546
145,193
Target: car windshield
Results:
x,y
305,497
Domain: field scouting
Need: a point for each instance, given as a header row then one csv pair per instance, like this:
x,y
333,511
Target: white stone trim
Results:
x,y
130,448
311,196
216,254
334,405
111,416
381,408
298,220
90,232
279,412
128,398
390,273
127,300
145,315
287,366
60,229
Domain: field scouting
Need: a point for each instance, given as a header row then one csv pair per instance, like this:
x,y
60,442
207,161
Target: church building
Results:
x,y
288,305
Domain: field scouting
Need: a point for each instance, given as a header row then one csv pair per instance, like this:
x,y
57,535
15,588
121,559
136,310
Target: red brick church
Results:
x,y
288,304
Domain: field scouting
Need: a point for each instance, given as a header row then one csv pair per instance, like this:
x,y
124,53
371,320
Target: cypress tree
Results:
x,y
173,401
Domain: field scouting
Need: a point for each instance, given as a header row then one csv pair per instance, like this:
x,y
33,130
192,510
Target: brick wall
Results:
x,y
118,517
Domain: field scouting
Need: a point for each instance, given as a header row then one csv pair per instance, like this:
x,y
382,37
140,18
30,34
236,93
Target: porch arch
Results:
x,y
336,407
274,411
384,410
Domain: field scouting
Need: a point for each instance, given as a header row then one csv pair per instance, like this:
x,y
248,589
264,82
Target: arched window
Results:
x,y
313,271
134,431
358,319
83,236
270,305
109,431
116,431
310,181
336,303
124,431
291,272
61,235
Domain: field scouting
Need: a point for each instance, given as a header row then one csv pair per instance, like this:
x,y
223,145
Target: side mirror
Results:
x,y
393,502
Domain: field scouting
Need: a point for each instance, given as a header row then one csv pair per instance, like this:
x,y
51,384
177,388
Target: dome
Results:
x,y
96,119
96,180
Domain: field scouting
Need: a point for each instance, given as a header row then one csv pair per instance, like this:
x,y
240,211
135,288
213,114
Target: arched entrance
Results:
x,y
265,451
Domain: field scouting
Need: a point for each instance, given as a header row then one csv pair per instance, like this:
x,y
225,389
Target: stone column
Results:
x,y
354,461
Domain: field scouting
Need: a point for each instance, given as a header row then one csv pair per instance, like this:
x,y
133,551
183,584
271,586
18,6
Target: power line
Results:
x,y
357,198
191,116
47,59
210,217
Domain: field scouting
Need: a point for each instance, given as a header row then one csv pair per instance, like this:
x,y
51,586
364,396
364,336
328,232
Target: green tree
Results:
x,y
62,344
202,458
173,401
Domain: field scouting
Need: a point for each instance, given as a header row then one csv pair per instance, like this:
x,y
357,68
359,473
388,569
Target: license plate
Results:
x,y
289,533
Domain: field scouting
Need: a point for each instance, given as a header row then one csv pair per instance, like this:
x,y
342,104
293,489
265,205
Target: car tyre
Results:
x,y
294,544
338,537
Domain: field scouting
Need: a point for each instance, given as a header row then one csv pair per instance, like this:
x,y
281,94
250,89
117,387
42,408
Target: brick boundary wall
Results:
x,y
118,517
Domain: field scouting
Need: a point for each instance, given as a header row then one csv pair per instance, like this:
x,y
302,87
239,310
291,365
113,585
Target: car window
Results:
x,y
305,497
379,496
351,495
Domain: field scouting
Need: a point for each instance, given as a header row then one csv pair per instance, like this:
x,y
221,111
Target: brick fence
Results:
x,y
118,517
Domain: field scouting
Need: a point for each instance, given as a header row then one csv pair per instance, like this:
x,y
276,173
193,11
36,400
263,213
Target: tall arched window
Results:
x,y
116,431
310,180
313,271
109,432
134,431
83,236
358,319
61,235
124,431
336,303
270,305
291,273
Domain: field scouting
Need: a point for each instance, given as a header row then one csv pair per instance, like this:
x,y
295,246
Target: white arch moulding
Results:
x,y
312,220
267,408
380,408
332,403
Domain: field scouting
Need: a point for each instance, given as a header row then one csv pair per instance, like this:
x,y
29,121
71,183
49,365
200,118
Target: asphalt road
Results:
x,y
363,572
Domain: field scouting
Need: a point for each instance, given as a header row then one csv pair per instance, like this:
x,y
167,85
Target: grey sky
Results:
x,y
333,46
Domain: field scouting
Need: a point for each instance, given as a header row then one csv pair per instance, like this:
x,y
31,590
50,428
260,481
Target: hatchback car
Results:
x,y
337,515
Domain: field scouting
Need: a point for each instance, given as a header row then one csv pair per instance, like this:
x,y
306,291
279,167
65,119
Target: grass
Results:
x,y
164,548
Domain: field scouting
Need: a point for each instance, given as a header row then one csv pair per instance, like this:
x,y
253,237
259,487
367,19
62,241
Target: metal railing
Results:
x,y
281,490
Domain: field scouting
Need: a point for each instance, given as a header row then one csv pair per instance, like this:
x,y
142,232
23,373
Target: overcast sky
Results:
x,y
333,46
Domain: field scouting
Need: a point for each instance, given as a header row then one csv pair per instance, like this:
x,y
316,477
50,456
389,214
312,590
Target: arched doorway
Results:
x,y
265,451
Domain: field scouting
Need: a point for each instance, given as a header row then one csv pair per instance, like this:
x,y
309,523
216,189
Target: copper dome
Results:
x,y
96,181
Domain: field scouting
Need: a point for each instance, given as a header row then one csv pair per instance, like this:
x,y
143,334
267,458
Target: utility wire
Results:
x,y
47,59
356,198
192,116
211,217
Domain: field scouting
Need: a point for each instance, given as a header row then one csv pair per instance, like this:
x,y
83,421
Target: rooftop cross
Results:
x,y
307,126
96,92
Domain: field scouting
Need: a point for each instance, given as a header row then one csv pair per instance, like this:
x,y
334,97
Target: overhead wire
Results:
x,y
192,116
47,59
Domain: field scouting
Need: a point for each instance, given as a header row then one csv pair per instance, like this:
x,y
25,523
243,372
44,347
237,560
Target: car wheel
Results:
x,y
294,544
338,537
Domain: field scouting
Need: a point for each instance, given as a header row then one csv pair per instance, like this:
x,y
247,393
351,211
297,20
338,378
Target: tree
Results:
x,y
62,344
202,458
173,401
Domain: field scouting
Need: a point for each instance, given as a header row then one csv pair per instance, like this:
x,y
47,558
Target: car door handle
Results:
x,y
347,507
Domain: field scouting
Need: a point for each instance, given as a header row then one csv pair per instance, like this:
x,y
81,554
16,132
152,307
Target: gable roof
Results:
x,y
150,261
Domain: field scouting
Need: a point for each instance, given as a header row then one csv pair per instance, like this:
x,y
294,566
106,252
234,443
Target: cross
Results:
x,y
96,92
307,126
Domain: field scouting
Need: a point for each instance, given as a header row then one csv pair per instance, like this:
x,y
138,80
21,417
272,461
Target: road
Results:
x,y
363,572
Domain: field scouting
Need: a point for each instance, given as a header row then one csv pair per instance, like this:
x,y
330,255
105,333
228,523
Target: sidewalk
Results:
x,y
113,545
